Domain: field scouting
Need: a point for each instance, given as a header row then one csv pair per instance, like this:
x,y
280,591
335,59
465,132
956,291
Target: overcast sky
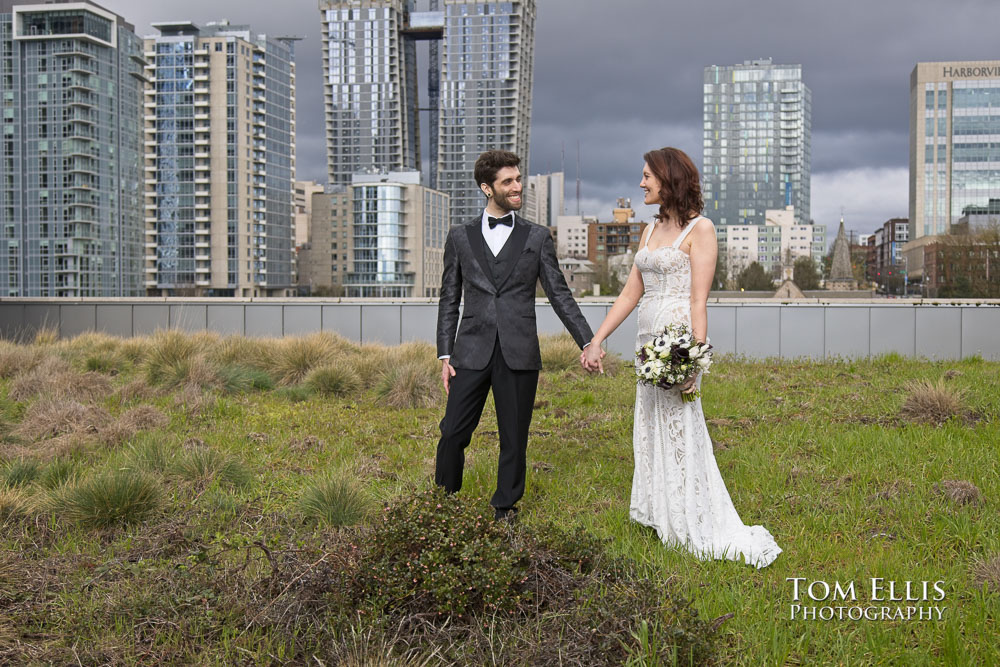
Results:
x,y
623,76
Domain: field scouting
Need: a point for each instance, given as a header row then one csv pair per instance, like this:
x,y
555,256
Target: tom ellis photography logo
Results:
x,y
879,600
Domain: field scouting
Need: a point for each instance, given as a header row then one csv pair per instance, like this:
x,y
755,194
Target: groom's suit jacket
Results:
x,y
500,296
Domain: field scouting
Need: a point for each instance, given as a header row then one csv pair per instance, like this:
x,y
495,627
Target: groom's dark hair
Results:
x,y
490,162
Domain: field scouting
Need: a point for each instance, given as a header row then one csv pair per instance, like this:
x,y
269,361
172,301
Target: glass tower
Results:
x,y
479,88
486,71
220,161
757,137
369,72
954,151
71,77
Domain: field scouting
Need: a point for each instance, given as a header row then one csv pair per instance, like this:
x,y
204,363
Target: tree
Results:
x,y
608,280
804,273
753,278
719,281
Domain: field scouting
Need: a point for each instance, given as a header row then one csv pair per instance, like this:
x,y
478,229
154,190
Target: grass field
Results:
x,y
229,437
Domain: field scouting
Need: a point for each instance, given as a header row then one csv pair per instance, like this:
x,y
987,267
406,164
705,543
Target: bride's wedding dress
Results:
x,y
677,487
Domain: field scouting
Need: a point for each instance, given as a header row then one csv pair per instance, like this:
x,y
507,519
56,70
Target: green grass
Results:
x,y
816,452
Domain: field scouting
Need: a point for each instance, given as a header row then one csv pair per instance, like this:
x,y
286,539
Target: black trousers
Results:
x,y
514,398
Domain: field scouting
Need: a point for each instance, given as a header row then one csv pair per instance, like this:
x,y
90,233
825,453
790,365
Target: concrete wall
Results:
x,y
755,329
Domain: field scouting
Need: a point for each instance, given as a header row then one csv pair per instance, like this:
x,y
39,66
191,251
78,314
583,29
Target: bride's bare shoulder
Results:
x,y
704,229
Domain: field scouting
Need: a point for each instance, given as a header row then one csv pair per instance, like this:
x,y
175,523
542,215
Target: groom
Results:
x,y
495,260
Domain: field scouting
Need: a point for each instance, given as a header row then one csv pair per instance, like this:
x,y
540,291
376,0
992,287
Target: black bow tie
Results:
x,y
505,220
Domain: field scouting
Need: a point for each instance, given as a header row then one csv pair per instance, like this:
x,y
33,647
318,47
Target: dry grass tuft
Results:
x,y
170,356
931,402
959,491
369,362
139,418
136,390
559,353
135,350
333,380
987,573
52,417
55,378
17,359
46,336
256,353
410,384
14,505
294,358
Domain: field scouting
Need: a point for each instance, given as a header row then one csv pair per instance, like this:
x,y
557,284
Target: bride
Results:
x,y
676,486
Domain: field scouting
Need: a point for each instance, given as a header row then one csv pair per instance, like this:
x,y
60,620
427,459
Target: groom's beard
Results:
x,y
504,202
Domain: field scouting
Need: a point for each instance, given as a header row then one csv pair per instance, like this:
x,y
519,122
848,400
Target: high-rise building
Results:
x,y
481,57
543,198
397,236
954,152
370,85
324,258
220,161
486,75
71,77
757,139
302,201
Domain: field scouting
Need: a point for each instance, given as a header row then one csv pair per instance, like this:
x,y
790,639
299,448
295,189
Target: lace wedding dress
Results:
x,y
677,487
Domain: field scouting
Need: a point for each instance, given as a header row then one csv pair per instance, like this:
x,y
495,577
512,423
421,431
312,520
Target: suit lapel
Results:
x,y
477,242
516,241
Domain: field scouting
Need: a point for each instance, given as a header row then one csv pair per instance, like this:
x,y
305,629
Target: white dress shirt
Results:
x,y
496,237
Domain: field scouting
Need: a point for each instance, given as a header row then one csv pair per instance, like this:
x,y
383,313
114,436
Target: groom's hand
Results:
x,y
591,358
447,373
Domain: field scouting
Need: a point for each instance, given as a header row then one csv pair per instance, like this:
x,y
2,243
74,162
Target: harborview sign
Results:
x,y
970,72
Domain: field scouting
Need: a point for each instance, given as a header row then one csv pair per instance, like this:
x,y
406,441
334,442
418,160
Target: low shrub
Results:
x,y
442,569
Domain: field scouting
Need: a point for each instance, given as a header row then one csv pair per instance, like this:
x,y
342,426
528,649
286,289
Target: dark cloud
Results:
x,y
622,77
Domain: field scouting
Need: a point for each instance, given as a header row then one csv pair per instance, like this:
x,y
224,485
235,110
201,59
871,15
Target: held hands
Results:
x,y
591,358
447,373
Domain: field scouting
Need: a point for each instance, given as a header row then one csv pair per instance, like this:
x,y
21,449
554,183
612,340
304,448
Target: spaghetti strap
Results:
x,y
680,239
649,234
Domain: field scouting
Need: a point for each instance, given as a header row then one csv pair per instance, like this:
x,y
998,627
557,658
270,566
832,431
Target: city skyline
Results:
x,y
621,85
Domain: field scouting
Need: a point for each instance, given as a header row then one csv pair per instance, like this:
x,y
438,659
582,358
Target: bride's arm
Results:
x,y
624,304
704,253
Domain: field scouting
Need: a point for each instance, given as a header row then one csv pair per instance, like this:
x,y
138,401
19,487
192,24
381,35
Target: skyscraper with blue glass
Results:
x,y
954,151
220,161
481,57
71,209
757,142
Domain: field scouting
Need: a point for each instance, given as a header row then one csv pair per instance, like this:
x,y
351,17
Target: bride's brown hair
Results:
x,y
680,185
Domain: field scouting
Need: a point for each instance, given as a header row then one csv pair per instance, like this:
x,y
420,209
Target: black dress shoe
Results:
x,y
508,514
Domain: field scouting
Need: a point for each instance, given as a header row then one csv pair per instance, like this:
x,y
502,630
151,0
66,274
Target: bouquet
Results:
x,y
671,358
